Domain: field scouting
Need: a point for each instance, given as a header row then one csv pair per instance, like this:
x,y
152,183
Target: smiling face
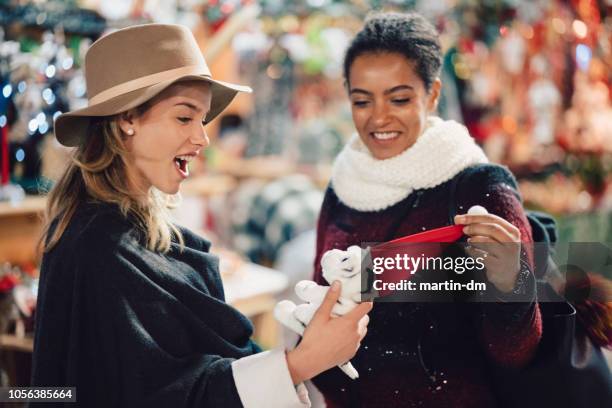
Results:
x,y
170,133
389,102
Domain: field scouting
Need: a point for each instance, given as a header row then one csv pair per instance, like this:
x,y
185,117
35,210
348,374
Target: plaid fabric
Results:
x,y
265,217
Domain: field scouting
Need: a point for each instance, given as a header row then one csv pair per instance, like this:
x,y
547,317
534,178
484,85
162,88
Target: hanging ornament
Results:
x,y
514,49
218,12
544,101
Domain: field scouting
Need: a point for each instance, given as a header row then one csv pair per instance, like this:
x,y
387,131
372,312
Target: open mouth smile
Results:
x,y
182,164
384,137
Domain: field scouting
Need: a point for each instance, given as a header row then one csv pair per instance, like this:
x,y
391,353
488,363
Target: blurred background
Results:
x,y
530,79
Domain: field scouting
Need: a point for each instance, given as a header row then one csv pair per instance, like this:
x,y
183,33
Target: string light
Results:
x,y
20,155
43,128
67,63
32,126
50,71
580,29
274,71
48,96
583,56
40,118
7,90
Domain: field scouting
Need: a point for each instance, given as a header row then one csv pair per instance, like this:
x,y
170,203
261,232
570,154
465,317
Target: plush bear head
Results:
x,y
341,265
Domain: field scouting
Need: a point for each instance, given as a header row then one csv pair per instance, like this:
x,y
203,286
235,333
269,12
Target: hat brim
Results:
x,y
72,128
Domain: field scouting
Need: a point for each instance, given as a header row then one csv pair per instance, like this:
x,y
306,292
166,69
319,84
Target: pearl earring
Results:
x,y
130,132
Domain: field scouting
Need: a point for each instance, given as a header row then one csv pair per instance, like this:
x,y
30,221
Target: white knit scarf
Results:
x,y
367,184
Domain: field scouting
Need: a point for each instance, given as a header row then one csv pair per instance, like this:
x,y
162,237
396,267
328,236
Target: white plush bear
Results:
x,y
344,266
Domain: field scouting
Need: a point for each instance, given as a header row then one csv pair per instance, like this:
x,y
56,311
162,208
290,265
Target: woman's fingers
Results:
x,y
490,247
489,225
486,218
483,218
359,311
481,246
494,231
323,313
475,253
498,242
474,239
362,326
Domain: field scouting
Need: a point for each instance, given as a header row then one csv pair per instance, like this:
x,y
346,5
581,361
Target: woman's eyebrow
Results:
x,y
386,92
189,105
360,91
399,88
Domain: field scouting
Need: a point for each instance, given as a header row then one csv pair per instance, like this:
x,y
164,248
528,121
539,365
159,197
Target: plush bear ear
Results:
x,y
354,249
354,252
330,263
331,258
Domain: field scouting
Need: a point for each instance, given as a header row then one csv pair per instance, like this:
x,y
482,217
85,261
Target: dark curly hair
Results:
x,y
408,34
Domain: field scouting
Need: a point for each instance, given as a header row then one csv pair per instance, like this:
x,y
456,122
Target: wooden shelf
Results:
x,y
264,167
31,205
208,185
14,343
20,228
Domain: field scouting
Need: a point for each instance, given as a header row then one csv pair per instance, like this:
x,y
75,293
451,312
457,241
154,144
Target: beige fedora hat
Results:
x,y
130,66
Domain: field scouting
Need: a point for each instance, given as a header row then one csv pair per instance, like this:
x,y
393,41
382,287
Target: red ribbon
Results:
x,y
425,244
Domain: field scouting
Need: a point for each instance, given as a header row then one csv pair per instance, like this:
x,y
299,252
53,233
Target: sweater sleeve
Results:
x,y
263,379
510,326
329,202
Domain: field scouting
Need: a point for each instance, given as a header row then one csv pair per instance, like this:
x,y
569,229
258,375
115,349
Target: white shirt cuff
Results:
x,y
263,380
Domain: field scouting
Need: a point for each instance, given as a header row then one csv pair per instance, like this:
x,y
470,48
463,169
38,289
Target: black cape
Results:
x,y
130,327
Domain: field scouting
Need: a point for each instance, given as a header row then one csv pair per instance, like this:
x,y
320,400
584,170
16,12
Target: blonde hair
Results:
x,y
98,171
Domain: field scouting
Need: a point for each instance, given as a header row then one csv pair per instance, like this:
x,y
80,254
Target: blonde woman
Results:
x,y
131,307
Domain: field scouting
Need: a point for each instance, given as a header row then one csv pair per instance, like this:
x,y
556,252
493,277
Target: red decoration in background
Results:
x,y
8,282
218,12
30,270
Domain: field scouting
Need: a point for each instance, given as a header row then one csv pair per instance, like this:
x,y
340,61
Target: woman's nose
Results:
x,y
199,137
380,115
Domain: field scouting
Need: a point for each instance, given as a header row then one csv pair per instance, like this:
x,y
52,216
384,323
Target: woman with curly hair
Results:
x,y
397,176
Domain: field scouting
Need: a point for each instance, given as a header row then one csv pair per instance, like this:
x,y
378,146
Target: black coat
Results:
x,y
130,327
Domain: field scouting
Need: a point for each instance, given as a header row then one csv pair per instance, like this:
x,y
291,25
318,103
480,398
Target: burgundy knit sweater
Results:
x,y
431,354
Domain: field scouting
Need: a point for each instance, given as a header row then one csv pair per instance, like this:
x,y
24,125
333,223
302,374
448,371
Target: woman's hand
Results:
x,y
498,242
328,341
